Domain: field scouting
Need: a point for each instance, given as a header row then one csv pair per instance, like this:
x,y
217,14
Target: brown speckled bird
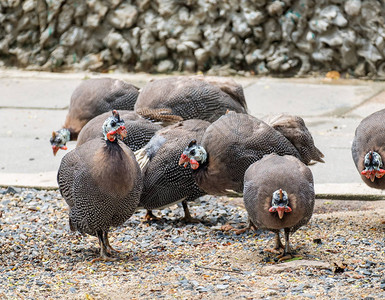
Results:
x,y
368,149
164,181
139,130
90,99
190,97
101,182
279,194
230,145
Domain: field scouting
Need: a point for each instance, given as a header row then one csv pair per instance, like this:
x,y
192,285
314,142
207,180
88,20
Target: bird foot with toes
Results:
x,y
287,256
272,250
242,230
190,220
151,217
104,258
246,229
110,250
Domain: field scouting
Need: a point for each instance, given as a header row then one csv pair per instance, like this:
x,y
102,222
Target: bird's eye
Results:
x,y
113,123
192,152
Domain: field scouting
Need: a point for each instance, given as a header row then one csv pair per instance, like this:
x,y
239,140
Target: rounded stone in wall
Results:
x,y
165,66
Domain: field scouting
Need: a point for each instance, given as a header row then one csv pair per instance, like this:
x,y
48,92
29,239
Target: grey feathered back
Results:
x,y
227,85
101,184
96,96
370,136
295,130
272,173
233,143
190,98
165,182
139,130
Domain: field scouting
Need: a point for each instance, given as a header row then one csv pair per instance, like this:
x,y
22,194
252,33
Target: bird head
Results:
x,y
114,126
193,154
280,203
373,166
59,140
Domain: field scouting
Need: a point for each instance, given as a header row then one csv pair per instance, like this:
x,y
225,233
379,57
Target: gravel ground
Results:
x,y
342,250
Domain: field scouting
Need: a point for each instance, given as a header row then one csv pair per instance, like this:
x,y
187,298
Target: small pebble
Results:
x,y
222,286
202,289
308,296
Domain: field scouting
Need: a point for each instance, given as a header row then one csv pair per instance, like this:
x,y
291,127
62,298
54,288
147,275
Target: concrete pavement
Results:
x,y
33,104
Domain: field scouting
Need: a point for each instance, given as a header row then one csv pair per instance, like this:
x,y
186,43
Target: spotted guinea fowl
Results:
x,y
190,97
90,99
164,181
139,130
279,194
228,147
101,182
368,149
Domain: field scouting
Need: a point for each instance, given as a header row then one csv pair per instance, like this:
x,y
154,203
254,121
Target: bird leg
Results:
x,y
109,247
104,255
287,252
150,216
187,216
249,226
278,245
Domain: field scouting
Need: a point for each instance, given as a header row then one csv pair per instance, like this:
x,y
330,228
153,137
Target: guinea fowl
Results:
x,y
229,146
368,149
279,194
190,97
101,182
139,130
90,99
164,181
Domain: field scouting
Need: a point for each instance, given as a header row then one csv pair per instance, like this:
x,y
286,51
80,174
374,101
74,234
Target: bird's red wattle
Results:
x,y
194,164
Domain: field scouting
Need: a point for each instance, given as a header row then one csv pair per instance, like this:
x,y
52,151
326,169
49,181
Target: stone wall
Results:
x,y
283,37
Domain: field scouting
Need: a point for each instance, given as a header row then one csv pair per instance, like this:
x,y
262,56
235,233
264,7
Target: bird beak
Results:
x,y
372,176
183,160
281,211
55,149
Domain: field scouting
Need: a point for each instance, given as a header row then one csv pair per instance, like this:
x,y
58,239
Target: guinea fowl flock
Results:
x,y
180,138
